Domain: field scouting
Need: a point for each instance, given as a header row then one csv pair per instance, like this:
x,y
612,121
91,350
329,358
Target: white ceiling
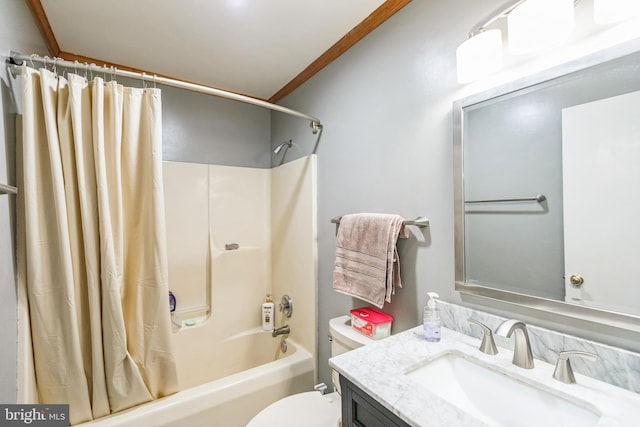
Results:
x,y
253,47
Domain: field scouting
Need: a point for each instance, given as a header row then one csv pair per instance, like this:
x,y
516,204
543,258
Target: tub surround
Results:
x,y
293,248
221,219
380,370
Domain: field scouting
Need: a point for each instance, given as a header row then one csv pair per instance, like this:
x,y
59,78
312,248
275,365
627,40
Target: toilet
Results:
x,y
313,409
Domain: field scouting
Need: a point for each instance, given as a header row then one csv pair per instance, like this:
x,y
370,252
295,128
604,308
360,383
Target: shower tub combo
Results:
x,y
229,369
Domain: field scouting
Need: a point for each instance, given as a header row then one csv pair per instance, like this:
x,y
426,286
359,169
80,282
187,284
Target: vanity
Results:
x,y
404,380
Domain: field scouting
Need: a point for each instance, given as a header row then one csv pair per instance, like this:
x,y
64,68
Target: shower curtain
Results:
x,y
91,243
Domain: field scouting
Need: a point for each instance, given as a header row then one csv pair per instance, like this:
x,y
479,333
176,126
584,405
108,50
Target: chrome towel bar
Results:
x,y
421,221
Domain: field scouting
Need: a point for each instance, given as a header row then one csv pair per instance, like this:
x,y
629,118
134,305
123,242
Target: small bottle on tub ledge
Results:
x,y
267,314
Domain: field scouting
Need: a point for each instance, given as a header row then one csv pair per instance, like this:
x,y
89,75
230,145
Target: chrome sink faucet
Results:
x,y
522,355
284,330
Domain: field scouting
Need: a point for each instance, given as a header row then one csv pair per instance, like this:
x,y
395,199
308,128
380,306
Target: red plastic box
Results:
x,y
371,322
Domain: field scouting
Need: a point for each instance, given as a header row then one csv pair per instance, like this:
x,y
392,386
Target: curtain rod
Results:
x,y
18,59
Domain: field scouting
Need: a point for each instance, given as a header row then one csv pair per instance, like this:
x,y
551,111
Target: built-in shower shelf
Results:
x,y
190,317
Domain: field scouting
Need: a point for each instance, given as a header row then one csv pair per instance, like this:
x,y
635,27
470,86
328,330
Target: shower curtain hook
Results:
x,y
75,66
86,70
55,67
144,83
154,81
31,60
44,60
91,70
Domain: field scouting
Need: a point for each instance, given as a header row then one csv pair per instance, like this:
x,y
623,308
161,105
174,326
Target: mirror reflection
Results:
x,y
549,189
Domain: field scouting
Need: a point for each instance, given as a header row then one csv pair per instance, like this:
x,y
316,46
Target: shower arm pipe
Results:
x,y
8,189
18,59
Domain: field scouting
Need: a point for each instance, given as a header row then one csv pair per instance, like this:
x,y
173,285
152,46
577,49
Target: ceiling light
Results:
x,y
479,56
536,24
611,11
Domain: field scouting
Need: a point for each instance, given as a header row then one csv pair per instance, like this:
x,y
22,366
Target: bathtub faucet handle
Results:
x,y
286,305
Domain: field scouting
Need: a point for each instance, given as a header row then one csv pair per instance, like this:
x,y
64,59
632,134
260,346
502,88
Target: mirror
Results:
x,y
546,172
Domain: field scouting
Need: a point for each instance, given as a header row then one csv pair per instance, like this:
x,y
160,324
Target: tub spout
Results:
x,y
280,331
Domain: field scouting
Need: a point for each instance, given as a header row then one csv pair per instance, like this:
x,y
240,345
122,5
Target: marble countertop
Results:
x,y
379,369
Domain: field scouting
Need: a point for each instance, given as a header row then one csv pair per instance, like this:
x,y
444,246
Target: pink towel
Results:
x,y
367,265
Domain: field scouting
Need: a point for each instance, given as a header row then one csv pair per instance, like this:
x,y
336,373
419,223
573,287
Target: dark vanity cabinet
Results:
x,y
361,410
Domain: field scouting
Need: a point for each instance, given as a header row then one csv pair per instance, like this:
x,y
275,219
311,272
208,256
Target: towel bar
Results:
x,y
538,198
8,189
421,221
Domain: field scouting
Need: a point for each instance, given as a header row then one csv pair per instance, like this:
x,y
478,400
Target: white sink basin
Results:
x,y
495,398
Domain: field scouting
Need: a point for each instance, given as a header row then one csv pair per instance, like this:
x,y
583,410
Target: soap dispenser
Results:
x,y
431,322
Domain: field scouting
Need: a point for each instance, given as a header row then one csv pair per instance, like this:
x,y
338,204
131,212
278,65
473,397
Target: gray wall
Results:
x,y
19,33
200,128
387,147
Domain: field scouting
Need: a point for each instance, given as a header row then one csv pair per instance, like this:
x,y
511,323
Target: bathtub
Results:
x,y
255,373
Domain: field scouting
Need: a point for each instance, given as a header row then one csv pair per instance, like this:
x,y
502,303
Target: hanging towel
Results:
x,y
367,265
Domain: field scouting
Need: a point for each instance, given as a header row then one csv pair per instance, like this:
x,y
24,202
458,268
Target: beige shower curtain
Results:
x,y
91,243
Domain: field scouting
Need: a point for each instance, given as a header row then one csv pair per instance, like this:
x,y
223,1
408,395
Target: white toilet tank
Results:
x,y
344,338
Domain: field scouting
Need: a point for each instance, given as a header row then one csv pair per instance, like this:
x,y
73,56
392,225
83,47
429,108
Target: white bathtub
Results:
x,y
233,399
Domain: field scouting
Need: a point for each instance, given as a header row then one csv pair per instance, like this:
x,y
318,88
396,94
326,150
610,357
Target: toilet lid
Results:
x,y
310,409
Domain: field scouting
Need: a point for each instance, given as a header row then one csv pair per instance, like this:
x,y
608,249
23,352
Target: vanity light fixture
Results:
x,y
612,11
479,56
537,24
532,24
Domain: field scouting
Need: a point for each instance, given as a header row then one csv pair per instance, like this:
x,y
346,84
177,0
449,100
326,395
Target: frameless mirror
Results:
x,y
547,171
